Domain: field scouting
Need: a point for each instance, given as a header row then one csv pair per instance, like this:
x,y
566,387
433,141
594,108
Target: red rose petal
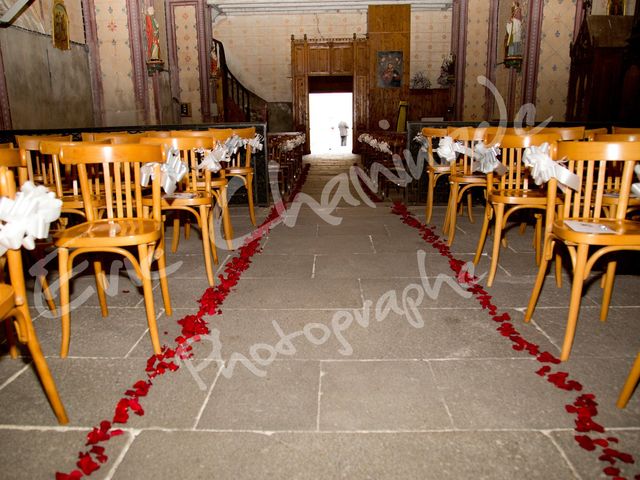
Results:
x,y
86,463
75,475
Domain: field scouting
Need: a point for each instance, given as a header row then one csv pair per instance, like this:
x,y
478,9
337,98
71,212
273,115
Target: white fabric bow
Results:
x,y
635,188
384,147
27,217
172,171
255,143
543,167
448,149
233,143
211,159
485,159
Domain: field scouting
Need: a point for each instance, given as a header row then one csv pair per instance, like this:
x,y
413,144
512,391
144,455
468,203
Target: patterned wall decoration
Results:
x,y
553,71
37,17
115,63
477,33
258,48
188,67
430,43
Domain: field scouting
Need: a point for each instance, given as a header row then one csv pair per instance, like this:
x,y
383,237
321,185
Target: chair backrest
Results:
x,y
39,166
6,145
240,160
469,136
618,137
221,134
566,133
431,134
157,133
512,148
189,133
590,133
16,160
592,161
119,166
187,147
625,129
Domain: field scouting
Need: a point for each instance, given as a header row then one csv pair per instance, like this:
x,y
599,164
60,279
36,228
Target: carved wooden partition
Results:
x,y
329,57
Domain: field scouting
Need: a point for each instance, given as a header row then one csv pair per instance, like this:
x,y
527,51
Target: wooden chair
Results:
x,y
125,225
241,168
39,166
630,384
566,133
435,170
512,192
588,160
118,136
189,133
462,177
6,145
635,130
13,296
197,202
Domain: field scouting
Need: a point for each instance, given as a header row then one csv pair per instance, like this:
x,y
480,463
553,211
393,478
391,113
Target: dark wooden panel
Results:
x,y
432,102
319,60
342,59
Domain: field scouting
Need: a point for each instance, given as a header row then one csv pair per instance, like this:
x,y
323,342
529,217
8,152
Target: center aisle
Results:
x,y
338,365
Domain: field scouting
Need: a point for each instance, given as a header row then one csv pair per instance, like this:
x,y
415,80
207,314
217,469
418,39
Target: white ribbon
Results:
x,y
448,149
27,217
384,147
255,143
635,188
543,167
293,143
172,171
485,159
211,159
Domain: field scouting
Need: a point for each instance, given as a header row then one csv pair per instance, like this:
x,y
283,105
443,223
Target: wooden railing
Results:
x,y
239,104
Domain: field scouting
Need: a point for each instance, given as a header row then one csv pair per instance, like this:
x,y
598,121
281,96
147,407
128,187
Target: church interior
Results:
x,y
319,239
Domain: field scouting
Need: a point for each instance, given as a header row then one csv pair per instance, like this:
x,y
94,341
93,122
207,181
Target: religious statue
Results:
x,y
513,44
153,36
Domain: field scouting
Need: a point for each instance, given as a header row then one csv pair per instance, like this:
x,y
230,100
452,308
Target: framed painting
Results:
x,y
389,69
60,27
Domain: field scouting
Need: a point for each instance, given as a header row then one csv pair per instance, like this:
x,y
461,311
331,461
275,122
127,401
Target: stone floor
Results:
x,y
431,393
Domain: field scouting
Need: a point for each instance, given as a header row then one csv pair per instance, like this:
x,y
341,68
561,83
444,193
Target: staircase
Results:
x,y
236,103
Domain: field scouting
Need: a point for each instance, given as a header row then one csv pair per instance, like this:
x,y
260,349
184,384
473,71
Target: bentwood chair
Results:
x,y
125,227
13,296
462,177
39,166
594,235
188,198
240,167
510,193
218,185
435,170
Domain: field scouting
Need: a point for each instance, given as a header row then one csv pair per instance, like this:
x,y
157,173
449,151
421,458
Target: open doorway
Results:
x,y
330,123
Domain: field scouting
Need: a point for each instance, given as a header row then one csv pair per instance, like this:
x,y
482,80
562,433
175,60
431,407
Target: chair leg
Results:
x,y
175,239
249,185
44,373
558,270
470,207
483,233
537,287
65,272
47,293
187,229
226,217
574,303
212,237
430,188
160,254
101,281
11,339
608,290
538,237
143,255
453,214
497,235
630,384
206,246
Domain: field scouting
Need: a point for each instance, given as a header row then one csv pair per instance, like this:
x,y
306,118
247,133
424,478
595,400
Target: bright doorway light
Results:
x,y
326,111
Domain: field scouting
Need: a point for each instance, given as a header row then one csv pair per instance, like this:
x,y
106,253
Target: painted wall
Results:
x,y
115,63
477,34
430,42
47,87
